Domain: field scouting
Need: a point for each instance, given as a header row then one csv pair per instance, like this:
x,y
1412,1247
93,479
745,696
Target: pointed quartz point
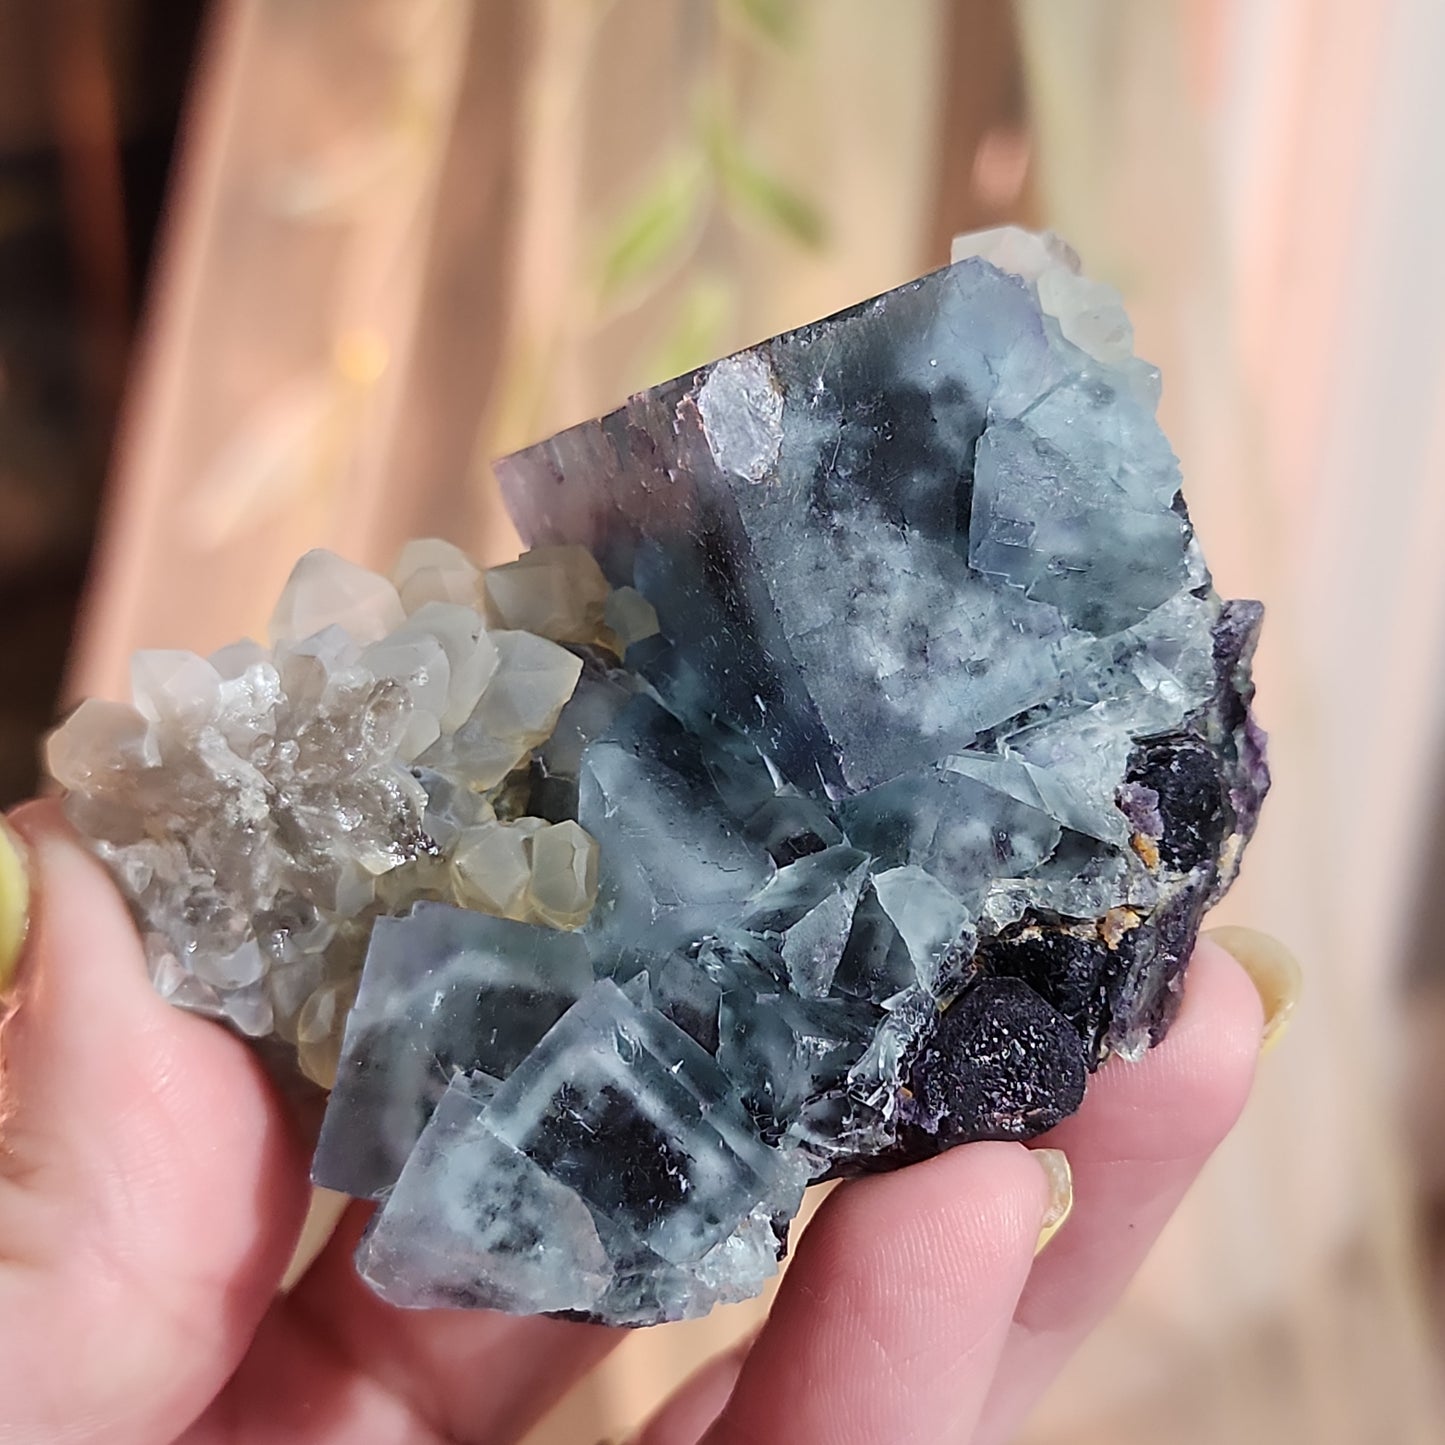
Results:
x,y
556,592
174,686
430,570
470,650
533,681
100,740
493,868
325,590
563,883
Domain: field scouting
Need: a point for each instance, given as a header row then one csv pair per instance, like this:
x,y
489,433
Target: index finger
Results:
x,y
890,1320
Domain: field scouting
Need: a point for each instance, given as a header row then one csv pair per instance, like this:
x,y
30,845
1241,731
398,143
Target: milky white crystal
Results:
x,y
262,807
557,592
430,570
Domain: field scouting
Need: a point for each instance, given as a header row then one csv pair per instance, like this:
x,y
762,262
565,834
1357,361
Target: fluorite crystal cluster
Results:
x,y
843,777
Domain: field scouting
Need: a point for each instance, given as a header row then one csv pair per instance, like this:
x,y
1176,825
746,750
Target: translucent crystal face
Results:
x,y
841,777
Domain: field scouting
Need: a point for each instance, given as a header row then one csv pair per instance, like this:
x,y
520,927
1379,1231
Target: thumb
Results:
x,y
150,1191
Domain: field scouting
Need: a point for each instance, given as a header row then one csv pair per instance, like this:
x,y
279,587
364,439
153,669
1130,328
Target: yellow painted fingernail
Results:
x,y
1272,969
323,1214
1055,1164
14,903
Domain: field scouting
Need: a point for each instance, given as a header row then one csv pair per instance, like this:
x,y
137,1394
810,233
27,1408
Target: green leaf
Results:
x,y
653,228
775,20
757,192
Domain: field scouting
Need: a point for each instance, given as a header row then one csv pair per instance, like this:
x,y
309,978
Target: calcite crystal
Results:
x,y
897,731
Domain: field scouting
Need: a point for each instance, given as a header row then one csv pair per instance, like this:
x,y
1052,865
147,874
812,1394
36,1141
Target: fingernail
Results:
x,y
1273,970
1055,1164
14,903
323,1214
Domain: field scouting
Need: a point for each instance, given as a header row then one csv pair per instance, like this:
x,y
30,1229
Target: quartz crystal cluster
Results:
x,y
843,777
262,807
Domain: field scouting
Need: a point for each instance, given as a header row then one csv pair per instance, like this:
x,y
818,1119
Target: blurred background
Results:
x,y
284,273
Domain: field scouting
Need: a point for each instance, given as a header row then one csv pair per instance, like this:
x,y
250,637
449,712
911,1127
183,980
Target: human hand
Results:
x,y
151,1192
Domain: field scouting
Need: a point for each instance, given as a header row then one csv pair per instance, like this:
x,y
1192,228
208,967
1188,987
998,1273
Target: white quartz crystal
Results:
x,y
492,867
325,590
261,808
430,570
556,592
563,884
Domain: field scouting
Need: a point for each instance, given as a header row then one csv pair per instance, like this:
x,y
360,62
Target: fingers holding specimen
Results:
x,y
149,1186
892,1315
1143,1134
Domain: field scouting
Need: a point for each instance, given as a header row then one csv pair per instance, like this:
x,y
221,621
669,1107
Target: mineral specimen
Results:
x,y
896,729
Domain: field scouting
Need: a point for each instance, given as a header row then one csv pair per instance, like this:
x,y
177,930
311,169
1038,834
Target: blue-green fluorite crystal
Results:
x,y
907,818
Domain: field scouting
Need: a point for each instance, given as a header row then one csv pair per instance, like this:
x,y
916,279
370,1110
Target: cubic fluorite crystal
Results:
x,y
897,731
